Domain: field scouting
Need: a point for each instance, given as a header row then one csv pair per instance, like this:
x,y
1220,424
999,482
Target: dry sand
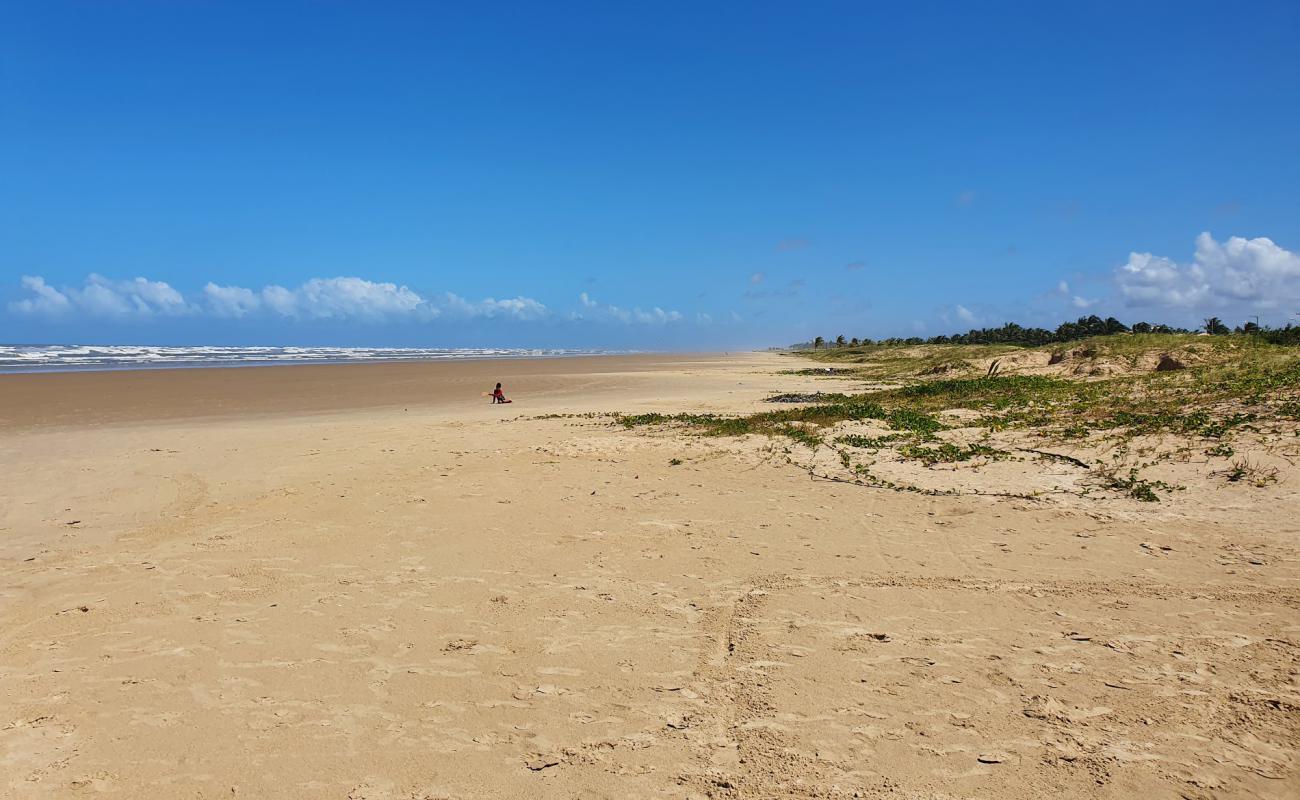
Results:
x,y
367,582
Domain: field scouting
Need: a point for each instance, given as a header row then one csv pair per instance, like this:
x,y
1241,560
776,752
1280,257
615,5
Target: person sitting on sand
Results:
x,y
499,396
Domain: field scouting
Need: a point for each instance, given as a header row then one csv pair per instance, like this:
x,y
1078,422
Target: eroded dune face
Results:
x,y
1081,362
1088,362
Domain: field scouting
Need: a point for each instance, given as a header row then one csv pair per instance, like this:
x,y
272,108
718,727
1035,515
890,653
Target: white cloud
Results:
x,y
655,316
151,297
523,308
1238,273
319,298
519,307
280,300
338,298
341,298
1151,280
100,297
965,315
634,316
757,278
1077,301
231,301
48,300
329,298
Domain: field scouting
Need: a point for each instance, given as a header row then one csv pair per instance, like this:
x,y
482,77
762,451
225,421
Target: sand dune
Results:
x,y
364,581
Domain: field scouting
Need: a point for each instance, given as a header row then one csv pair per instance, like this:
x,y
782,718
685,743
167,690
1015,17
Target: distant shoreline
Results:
x,y
40,359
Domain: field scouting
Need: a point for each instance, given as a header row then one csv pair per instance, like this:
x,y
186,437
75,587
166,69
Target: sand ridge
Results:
x,y
448,599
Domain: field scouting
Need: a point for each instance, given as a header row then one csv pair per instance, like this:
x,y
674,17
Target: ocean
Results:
x,y
60,358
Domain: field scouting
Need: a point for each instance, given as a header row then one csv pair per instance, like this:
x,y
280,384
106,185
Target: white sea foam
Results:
x,y
48,358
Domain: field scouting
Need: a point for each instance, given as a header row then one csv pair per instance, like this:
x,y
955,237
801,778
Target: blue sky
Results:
x,y
661,175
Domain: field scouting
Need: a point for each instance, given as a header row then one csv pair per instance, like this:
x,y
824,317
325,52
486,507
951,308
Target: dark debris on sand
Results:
x,y
797,397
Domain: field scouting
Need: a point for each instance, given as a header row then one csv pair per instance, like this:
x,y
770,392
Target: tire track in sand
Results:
x,y
739,753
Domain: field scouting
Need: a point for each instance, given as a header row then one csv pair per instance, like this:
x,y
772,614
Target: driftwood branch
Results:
x,y
1058,456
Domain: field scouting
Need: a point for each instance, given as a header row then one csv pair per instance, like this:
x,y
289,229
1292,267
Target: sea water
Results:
x,y
57,357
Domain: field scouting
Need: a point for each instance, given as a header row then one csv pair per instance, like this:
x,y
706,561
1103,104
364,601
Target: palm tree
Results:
x,y
1215,326
839,340
819,343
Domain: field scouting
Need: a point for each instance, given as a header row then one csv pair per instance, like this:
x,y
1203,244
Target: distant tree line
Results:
x,y
1082,328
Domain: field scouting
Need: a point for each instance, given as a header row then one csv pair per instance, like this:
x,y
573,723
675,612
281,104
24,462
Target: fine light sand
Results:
x,y
364,581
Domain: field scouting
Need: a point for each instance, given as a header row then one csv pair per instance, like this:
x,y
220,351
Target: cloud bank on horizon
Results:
x,y
1237,276
339,299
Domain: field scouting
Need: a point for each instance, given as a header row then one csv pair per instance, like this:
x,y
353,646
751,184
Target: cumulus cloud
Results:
x,y
354,297
1077,301
46,299
231,301
319,298
957,315
1238,273
341,298
100,297
147,297
522,308
280,300
655,316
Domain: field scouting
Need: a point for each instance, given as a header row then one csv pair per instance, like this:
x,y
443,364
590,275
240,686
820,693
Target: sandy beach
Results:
x,y
364,581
